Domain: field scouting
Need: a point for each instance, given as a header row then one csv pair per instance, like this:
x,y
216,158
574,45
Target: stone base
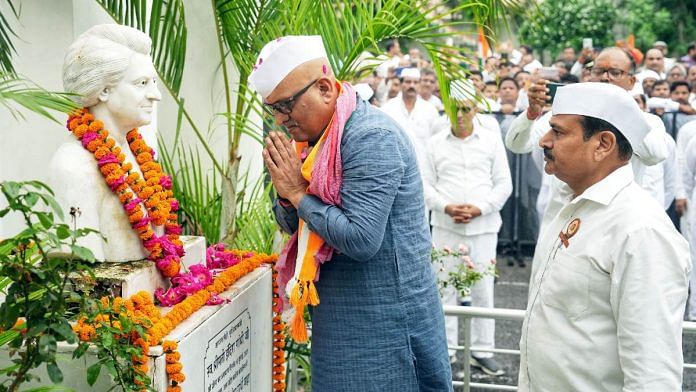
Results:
x,y
223,348
126,279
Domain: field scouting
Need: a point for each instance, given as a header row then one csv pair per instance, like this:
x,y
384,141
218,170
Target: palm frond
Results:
x,y
167,30
16,91
246,26
6,46
198,192
255,215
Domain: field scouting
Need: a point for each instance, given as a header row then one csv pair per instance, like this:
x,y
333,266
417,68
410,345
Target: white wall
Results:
x,y
46,29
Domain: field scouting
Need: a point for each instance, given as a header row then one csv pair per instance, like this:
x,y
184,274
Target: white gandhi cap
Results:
x,y
462,90
410,73
280,57
607,102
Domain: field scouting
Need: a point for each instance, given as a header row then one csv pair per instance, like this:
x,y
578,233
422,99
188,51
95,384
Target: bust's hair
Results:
x,y
98,59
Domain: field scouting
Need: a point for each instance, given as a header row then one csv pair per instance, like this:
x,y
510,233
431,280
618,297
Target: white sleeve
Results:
x,y
433,199
519,138
576,70
689,167
502,180
653,149
674,187
648,300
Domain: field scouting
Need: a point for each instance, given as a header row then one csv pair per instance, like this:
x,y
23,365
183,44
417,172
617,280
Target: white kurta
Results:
x,y
420,124
689,178
605,312
472,170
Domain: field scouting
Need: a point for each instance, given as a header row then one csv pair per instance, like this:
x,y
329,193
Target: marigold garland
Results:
x,y
141,309
278,370
153,191
173,366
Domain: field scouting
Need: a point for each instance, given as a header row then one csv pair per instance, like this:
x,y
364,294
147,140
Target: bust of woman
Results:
x,y
110,69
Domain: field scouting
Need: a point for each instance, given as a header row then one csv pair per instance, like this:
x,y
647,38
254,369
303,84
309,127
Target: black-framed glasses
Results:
x,y
614,73
285,106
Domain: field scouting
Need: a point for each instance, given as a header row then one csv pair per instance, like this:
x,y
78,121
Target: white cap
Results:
x,y
462,90
410,73
280,57
647,73
364,90
607,102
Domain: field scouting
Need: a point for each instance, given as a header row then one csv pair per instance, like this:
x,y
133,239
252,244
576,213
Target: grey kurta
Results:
x,y
380,325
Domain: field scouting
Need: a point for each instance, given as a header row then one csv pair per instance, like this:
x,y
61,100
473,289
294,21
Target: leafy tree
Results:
x,y
555,24
682,26
645,20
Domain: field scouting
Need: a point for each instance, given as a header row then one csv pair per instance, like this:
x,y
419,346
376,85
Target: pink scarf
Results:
x,y
327,178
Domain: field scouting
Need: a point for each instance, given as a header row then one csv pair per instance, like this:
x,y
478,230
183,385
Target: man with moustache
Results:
x,y
655,60
467,181
613,66
416,116
610,273
352,198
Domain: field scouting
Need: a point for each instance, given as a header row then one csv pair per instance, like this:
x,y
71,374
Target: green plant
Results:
x,y
197,191
115,332
555,24
465,274
35,266
255,215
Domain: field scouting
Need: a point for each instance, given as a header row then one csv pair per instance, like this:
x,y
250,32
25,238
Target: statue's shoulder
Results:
x,y
71,157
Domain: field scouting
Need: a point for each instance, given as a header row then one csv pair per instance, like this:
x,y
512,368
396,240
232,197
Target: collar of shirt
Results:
x,y
475,134
605,190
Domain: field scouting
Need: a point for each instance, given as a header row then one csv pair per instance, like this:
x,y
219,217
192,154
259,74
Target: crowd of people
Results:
x,y
470,179
367,184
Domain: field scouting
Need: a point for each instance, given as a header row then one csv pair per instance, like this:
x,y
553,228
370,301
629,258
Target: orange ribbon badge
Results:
x,y
572,228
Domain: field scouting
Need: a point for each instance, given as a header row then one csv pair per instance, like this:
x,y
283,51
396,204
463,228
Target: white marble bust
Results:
x,y
109,66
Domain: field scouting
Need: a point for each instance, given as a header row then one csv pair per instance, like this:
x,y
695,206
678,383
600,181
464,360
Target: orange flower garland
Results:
x,y
278,370
141,309
153,190
174,367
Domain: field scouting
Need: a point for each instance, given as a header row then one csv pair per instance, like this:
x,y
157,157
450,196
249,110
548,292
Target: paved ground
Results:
x,y
511,292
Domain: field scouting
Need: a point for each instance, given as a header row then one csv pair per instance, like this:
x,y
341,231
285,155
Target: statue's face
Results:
x,y
131,101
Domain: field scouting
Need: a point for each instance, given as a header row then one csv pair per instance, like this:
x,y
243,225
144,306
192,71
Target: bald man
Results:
x,y
350,182
655,60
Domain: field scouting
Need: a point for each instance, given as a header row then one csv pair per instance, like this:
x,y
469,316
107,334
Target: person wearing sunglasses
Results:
x,y
350,195
467,181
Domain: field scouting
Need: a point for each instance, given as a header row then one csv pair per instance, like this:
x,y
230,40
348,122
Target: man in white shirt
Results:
x,y
416,116
610,272
428,82
394,57
655,60
466,182
686,150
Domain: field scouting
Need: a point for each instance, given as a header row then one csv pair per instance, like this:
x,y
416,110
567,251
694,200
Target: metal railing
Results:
x,y
466,313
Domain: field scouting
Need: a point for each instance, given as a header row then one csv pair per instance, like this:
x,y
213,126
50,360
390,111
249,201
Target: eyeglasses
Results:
x,y
614,73
285,106
464,109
